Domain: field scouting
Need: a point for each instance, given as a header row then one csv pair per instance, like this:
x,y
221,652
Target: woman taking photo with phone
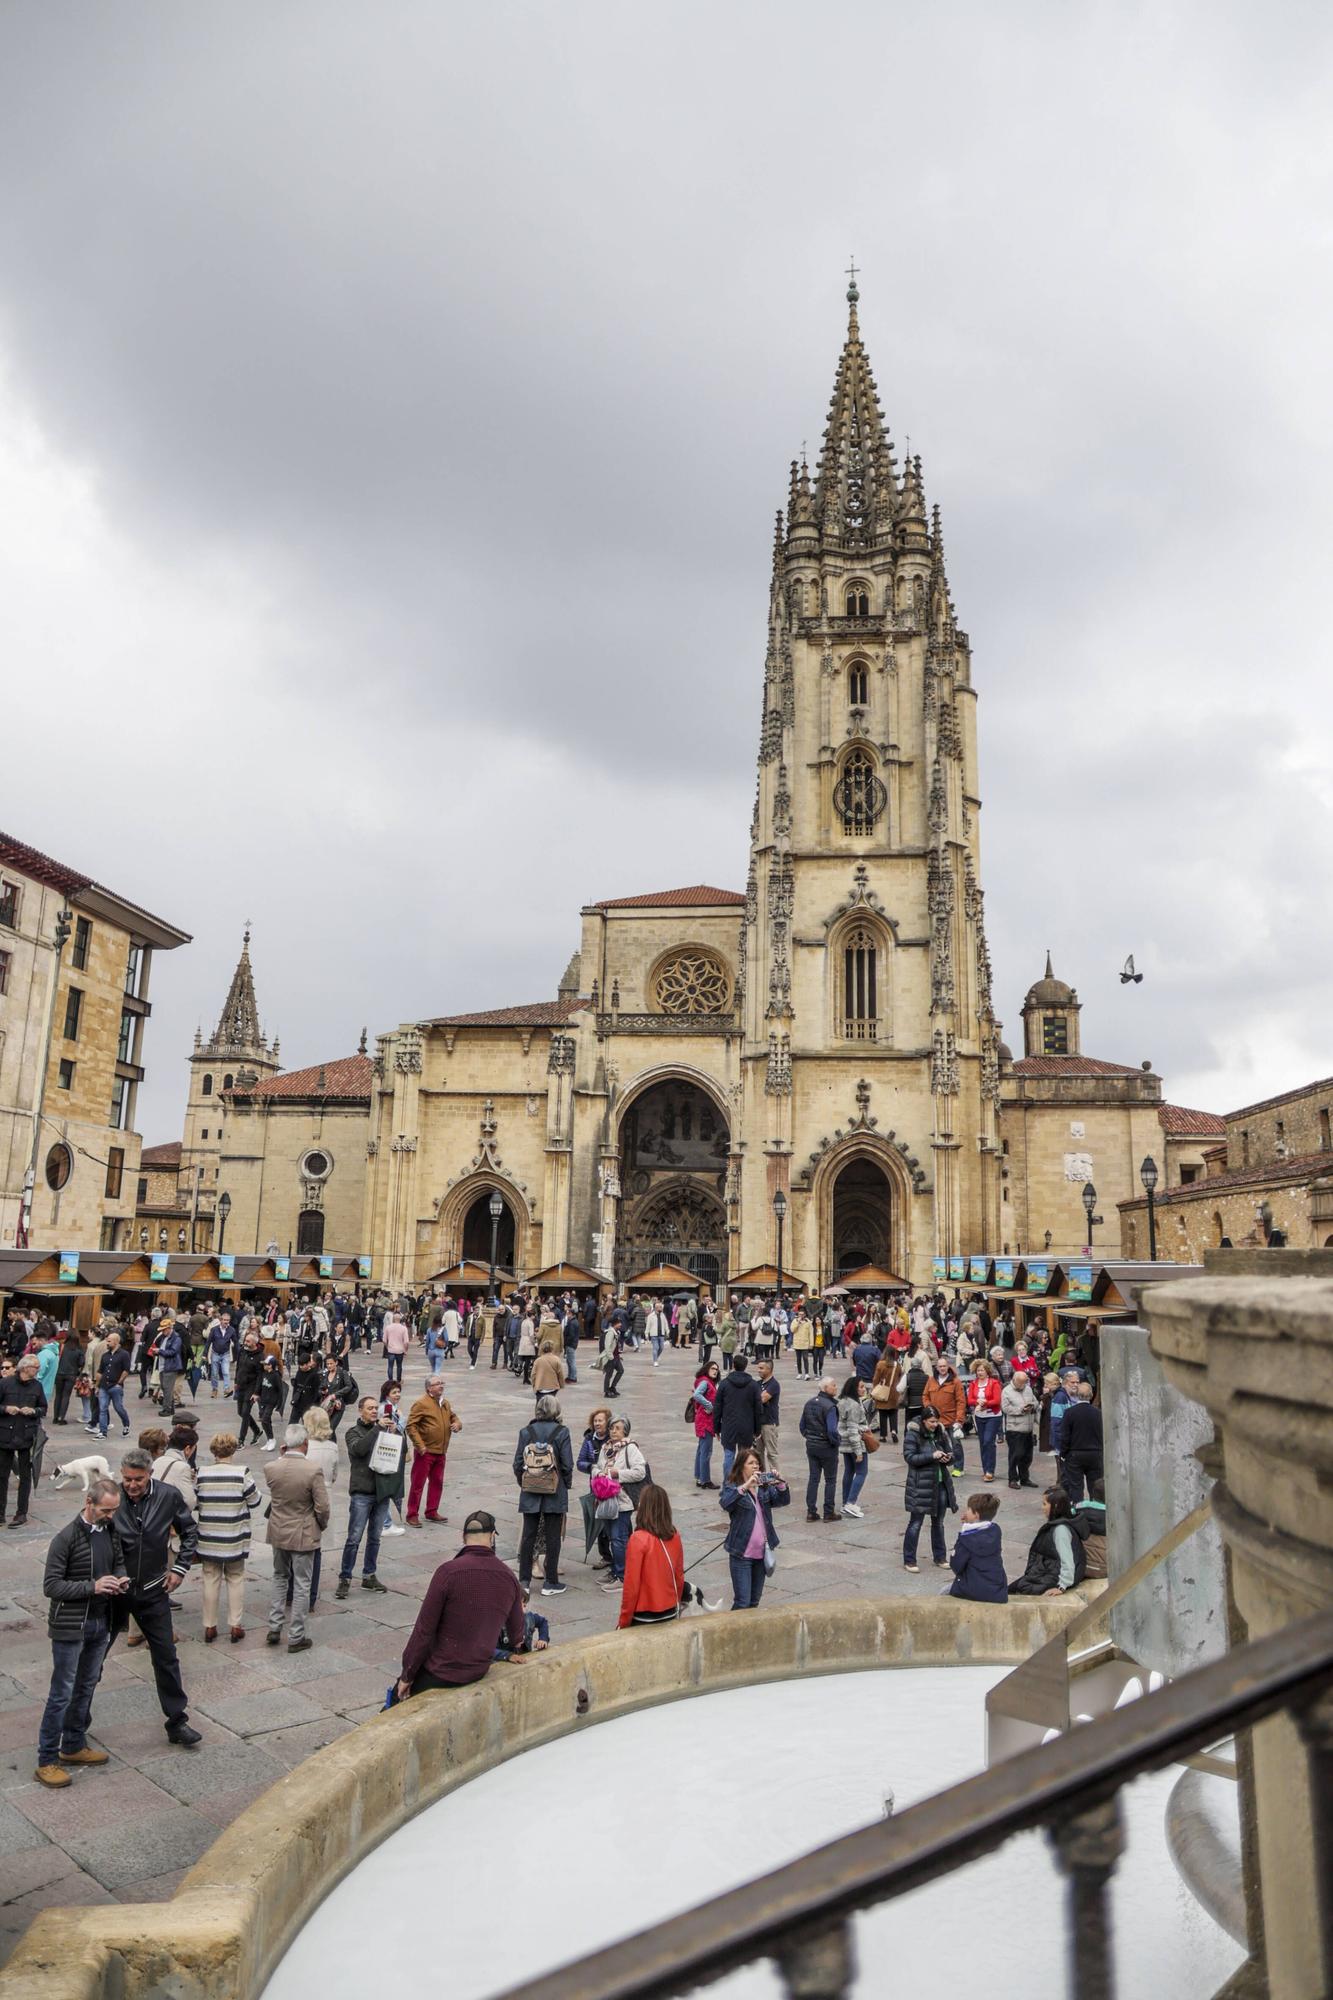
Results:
x,y
749,1497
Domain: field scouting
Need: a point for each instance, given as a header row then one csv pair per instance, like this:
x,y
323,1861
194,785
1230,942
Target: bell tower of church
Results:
x,y
870,1069
237,1050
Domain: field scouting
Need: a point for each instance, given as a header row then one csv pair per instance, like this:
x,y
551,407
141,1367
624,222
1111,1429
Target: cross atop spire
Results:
x,y
852,294
238,1030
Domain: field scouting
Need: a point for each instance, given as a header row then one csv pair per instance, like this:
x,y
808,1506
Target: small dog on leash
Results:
x,y
82,1469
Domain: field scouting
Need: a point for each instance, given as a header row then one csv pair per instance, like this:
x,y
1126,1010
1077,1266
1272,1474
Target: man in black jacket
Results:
x,y
819,1428
22,1407
307,1384
85,1573
738,1412
150,1512
1081,1447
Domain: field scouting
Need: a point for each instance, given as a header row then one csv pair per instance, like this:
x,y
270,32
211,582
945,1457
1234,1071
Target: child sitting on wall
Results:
x,y
1092,1511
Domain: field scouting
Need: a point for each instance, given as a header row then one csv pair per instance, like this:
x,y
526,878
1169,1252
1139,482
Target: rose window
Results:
x,y
692,983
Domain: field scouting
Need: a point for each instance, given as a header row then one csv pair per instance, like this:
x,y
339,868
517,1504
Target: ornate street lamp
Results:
x,y
497,1208
224,1210
780,1216
1089,1206
1148,1175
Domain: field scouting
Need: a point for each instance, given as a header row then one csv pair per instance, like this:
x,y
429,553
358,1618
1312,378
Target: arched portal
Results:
x,y
674,1146
862,1218
476,1241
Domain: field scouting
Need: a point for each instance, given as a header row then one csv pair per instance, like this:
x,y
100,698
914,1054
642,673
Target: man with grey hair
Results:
x,y
298,1516
150,1513
85,1571
819,1429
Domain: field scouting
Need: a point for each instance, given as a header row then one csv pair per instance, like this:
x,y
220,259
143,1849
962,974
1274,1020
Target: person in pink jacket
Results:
x,y
397,1340
983,1398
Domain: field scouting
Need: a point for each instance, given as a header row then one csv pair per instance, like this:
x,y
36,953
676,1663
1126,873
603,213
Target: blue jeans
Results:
x,y
747,1582
571,1363
76,1668
988,1431
393,1367
433,1357
938,1548
365,1515
219,1372
108,1399
703,1459
728,1460
621,1530
657,1345
854,1472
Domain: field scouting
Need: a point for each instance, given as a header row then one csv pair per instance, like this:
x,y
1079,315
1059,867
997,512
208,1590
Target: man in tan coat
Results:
x,y
298,1516
431,1422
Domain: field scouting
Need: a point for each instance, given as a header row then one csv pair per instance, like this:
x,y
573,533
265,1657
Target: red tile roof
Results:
x,y
347,1080
1072,1066
1180,1123
1270,1173
30,861
168,1155
698,897
537,1014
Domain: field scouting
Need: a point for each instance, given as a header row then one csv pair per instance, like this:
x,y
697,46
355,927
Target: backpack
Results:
x,y
541,1468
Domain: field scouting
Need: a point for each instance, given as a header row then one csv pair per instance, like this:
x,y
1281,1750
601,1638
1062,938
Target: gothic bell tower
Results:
x,y
870,1069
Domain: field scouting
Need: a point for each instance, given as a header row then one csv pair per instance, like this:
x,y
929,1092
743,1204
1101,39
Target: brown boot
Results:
x,y
210,1634
52,1775
84,1756
237,1634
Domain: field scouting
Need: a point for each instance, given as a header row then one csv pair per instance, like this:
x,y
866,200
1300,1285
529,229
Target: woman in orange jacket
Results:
x,y
654,1564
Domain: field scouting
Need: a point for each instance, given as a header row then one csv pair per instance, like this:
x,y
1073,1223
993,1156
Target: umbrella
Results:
x,y
835,1291
682,1295
591,1525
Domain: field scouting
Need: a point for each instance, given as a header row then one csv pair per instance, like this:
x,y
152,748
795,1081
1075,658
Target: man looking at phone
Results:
x,y
150,1512
85,1572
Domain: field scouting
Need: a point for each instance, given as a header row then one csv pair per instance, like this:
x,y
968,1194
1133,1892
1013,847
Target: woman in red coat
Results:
x,y
654,1564
704,1395
983,1397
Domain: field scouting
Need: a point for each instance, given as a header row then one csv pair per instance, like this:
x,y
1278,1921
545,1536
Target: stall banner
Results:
x,y
157,1267
939,1269
69,1267
282,1269
1004,1274
957,1269
1080,1282
364,1266
1039,1274
226,1268
977,1267
326,1267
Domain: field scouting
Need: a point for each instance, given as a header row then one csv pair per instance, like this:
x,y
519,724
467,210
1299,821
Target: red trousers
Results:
x,y
427,1471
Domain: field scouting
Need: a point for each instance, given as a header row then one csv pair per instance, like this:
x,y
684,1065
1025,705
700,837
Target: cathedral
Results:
x,y
810,1069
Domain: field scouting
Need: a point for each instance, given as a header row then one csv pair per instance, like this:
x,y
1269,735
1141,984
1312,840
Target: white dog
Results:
x,y
82,1469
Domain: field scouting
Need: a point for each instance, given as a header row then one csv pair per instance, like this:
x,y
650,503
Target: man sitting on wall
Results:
x,y
470,1603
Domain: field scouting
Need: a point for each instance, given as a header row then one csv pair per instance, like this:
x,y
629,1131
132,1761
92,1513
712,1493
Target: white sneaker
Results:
x,y
392,1531
272,1445
849,1507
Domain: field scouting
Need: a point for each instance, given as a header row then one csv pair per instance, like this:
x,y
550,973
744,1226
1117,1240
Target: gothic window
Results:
x,y
1055,1035
692,982
859,797
208,1086
857,685
860,986
858,601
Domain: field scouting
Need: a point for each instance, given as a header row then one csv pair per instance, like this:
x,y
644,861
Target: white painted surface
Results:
x,y
570,1846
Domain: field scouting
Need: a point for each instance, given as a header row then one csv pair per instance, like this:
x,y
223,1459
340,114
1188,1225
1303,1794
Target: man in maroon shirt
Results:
x,y
471,1600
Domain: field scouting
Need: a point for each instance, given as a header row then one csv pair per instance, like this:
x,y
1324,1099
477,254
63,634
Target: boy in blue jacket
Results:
x,y
976,1561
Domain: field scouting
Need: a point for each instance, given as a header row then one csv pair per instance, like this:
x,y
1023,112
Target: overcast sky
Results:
x,y
394,403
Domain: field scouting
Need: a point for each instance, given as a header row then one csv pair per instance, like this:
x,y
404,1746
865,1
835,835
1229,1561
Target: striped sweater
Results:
x,y
227,1498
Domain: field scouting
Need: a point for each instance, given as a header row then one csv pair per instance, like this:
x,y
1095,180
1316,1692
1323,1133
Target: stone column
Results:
x,y
1257,1352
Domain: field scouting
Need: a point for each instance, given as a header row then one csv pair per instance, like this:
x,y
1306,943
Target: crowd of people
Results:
x,y
930,1375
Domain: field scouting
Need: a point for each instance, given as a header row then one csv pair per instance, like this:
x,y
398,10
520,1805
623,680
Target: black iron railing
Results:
x,y
800,1915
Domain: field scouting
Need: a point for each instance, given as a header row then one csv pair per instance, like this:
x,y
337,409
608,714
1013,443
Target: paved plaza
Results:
x,y
130,1830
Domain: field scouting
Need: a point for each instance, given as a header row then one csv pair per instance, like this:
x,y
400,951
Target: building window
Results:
x,y
858,601
859,797
115,1169
73,1010
208,1086
226,1081
125,1044
141,1195
204,1134
1004,1147
1188,1176
59,1167
1245,1149
857,685
860,987
83,937
316,1166
66,1073
120,1097
1055,1035
4,978
9,905
1325,1135
132,965
692,982
310,1232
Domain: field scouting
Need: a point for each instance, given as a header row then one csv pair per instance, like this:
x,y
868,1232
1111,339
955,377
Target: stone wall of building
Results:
x,y
1053,1141
261,1168
1290,1126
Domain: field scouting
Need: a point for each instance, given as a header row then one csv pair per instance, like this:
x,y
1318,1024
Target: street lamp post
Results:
x,y
1089,1207
497,1208
780,1216
1148,1175
224,1210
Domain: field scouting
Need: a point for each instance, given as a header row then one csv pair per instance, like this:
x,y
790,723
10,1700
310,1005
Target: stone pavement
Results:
x,y
129,1831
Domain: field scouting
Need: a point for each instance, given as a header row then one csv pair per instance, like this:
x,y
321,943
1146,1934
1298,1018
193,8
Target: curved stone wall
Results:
x,y
235,1913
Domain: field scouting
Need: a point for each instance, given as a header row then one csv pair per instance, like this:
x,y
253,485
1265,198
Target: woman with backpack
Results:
x,y
1056,1559
700,1407
544,1469
654,1565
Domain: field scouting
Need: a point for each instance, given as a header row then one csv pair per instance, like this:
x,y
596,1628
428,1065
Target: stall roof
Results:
x,y
763,1278
663,1278
556,1275
873,1278
469,1272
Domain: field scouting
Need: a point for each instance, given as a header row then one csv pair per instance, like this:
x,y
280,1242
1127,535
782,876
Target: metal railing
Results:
x,y
800,1916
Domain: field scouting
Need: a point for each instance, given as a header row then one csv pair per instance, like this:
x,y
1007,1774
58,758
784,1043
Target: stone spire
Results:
x,y
854,480
238,1030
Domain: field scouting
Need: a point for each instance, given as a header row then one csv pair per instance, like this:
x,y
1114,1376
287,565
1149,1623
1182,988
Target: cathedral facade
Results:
x,y
826,1035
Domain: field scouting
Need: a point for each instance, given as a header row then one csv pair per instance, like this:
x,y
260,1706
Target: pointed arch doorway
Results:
x,y
862,1218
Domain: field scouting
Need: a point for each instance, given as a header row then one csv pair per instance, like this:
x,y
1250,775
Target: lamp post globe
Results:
x,y
224,1210
1148,1175
1089,1209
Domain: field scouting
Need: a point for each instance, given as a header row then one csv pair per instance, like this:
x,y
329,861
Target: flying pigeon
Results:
x,y
1129,976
